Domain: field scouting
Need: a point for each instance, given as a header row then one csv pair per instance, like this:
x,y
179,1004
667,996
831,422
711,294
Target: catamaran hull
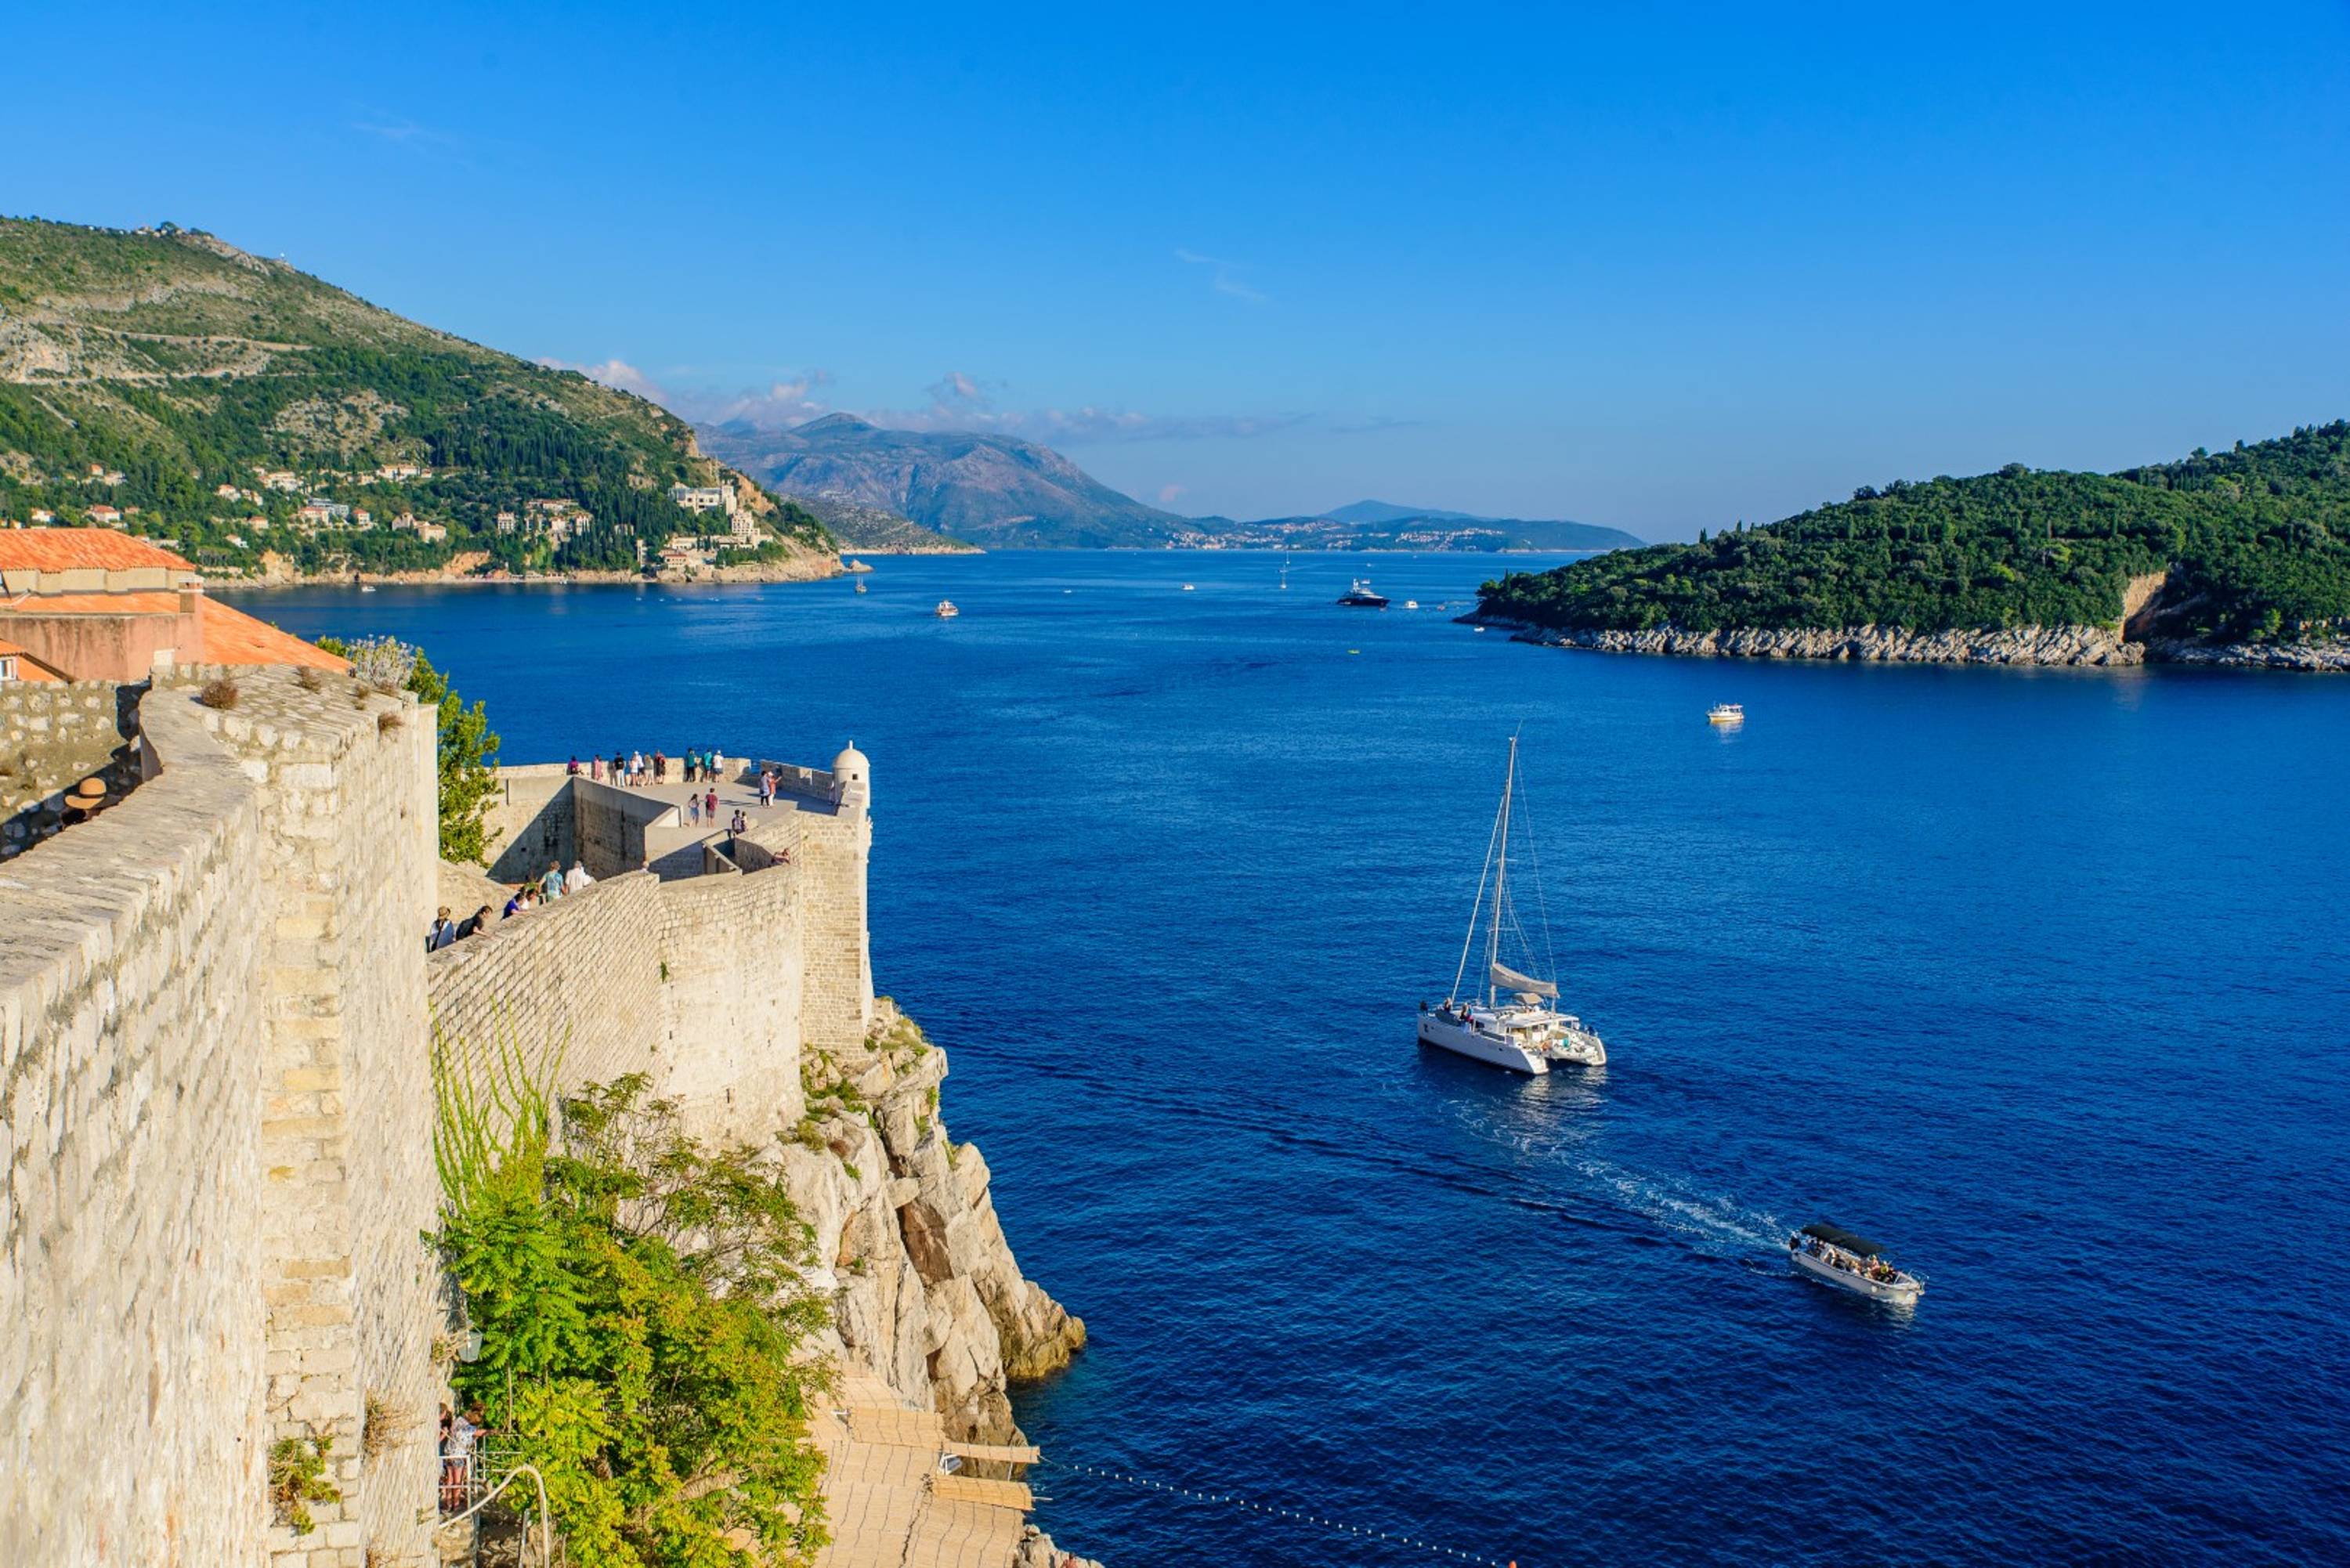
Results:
x,y
1903,1291
1479,1047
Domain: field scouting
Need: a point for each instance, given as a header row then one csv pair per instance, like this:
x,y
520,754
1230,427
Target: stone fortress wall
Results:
x,y
217,1031
216,1118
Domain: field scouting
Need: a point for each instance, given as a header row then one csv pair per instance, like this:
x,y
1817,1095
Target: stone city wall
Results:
x,y
54,735
130,995
218,1123
695,983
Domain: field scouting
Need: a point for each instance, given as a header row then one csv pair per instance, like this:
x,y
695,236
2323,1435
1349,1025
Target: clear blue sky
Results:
x,y
1658,269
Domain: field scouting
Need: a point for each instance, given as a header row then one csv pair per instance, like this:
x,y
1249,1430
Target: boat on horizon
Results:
x,y
1727,713
860,584
1360,595
1517,1024
1835,1256
946,610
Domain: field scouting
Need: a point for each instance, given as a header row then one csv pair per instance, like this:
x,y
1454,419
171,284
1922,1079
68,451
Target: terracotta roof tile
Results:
x,y
74,549
233,636
28,666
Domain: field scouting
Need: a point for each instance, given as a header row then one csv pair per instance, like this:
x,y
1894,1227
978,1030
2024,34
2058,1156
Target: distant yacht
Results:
x,y
1731,713
1411,603
1526,1033
860,584
1284,573
946,610
1834,1256
1188,588
1360,594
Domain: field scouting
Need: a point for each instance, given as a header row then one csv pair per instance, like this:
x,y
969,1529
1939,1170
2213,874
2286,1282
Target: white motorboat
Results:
x,y
1516,1022
1728,713
946,610
1835,1256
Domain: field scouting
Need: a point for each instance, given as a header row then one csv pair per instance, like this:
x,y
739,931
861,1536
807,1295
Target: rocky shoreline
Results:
x,y
926,1293
2055,647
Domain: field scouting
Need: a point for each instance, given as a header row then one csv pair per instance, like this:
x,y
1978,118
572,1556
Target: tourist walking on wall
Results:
x,y
710,805
443,932
470,926
766,788
694,811
551,885
577,878
661,767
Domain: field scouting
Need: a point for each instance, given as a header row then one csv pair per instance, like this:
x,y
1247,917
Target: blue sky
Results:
x,y
1660,268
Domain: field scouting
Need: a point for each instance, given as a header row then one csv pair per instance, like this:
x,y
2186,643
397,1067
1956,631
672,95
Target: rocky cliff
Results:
x,y
927,1291
2058,645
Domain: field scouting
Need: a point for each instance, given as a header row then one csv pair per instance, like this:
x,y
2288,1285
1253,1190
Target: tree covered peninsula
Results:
x,y
2246,549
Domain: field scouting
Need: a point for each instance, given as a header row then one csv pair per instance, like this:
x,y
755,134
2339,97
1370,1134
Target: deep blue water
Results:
x,y
2043,977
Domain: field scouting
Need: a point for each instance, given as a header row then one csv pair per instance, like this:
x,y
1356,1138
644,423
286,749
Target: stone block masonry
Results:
x,y
54,735
218,1127
216,1032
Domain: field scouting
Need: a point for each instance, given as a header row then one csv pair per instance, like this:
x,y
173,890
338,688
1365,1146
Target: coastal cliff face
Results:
x,y
927,1293
2028,645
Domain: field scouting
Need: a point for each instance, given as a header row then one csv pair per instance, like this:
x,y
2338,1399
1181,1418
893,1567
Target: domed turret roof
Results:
x,y
851,761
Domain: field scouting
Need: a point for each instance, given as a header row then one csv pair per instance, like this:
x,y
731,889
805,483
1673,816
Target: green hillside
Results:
x,y
173,364
2251,545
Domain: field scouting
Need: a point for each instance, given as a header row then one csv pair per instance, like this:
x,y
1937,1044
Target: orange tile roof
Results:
x,y
28,667
231,636
76,549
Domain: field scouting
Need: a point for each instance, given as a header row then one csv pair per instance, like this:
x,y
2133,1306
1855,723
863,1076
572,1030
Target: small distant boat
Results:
x,y
366,587
1835,1256
860,584
946,610
1719,713
1187,588
1481,631
1411,603
1360,595
1526,1033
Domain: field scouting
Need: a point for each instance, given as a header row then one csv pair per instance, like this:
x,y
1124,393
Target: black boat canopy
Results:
x,y
1838,1236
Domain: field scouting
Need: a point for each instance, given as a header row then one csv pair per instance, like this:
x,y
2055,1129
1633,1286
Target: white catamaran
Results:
x,y
1517,1024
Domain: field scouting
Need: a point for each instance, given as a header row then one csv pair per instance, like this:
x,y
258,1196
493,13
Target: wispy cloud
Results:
x,y
958,401
1170,494
1223,277
399,128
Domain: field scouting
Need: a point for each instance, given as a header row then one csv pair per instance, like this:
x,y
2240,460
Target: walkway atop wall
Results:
x,y
674,840
888,1500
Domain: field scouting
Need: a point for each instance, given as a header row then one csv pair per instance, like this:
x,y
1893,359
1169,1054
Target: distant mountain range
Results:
x,y
1002,491
1383,526
993,489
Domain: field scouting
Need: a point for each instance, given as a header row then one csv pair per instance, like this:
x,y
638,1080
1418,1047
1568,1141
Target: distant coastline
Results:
x,y
2070,647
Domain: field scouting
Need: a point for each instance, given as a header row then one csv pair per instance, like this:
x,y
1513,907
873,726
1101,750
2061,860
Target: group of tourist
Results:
x,y
635,769
557,883
459,1433
1876,1269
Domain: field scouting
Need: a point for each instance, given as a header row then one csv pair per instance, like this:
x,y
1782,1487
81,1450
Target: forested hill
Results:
x,y
2251,545
166,382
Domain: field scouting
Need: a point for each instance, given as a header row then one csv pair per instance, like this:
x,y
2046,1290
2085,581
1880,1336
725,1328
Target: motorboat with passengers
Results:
x,y
1835,1256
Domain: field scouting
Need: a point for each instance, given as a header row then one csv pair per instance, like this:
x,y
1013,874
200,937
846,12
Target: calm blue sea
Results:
x,y
2041,976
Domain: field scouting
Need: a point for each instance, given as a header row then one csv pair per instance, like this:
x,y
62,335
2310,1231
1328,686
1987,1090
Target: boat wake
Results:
x,y
1685,1211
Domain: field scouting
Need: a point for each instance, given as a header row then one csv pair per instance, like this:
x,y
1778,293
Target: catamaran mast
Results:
x,y
1501,873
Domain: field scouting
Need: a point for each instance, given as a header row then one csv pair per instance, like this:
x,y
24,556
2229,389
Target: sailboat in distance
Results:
x,y
1515,1022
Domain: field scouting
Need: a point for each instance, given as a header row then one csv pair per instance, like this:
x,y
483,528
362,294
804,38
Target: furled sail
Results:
x,y
1509,979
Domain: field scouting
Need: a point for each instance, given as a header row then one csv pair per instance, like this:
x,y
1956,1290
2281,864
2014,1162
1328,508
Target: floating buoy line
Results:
x,y
1270,1510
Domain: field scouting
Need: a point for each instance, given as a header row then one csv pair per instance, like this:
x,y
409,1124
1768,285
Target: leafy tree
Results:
x,y
642,1313
468,746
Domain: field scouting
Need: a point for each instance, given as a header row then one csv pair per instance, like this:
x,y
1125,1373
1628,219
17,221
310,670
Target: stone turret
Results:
x,y
852,776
